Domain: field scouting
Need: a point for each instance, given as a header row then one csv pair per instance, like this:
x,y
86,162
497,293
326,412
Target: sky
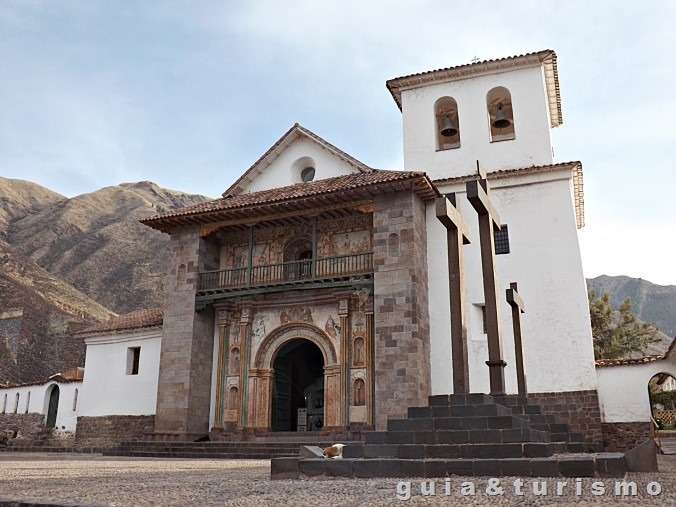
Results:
x,y
189,94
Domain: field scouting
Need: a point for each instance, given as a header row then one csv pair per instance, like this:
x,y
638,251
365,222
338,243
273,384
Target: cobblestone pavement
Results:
x,y
93,480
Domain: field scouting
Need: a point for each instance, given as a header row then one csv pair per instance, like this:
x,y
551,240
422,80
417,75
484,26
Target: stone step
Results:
x,y
488,409
452,451
457,423
457,436
591,465
447,400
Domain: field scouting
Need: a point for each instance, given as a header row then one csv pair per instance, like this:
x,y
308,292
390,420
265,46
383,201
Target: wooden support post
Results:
x,y
479,197
457,234
515,301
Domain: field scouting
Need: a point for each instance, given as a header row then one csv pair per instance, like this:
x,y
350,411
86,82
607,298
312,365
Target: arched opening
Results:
x,y
53,407
500,114
298,259
298,384
17,398
447,123
662,391
359,393
28,402
233,398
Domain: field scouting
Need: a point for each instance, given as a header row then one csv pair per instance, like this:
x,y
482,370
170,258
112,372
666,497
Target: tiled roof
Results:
x,y
578,183
140,319
291,135
72,375
547,58
640,360
342,187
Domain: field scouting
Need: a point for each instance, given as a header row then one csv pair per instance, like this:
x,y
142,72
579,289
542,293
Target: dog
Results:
x,y
335,451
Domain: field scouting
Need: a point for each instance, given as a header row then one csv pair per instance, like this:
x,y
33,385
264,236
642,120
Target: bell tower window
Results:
x,y
447,124
500,114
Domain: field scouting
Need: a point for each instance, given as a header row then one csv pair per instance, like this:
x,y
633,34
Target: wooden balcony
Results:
x,y
287,275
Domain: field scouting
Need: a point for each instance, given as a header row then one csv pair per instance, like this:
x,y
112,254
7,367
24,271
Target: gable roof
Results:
x,y
334,191
545,58
140,319
295,132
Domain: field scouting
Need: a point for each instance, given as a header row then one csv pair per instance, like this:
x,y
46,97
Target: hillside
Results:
x,y
95,242
649,302
19,198
38,312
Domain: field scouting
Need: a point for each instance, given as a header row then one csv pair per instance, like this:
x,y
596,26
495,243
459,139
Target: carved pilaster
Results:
x,y
332,402
343,313
245,337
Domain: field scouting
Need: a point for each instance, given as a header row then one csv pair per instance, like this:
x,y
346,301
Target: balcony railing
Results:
x,y
294,272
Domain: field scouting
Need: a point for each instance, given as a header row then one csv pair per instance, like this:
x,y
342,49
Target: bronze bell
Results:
x,y
447,128
500,121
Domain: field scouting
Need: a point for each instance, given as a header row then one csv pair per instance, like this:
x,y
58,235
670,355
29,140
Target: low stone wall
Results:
x,y
110,430
579,409
624,436
27,427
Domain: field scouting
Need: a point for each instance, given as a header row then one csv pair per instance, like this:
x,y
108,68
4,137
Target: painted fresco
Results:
x,y
331,244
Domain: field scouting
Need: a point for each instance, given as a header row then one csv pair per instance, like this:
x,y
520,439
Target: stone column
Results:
x,y
221,367
401,348
186,356
344,362
244,333
260,396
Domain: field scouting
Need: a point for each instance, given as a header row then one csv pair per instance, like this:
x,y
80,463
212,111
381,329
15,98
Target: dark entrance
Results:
x,y
53,407
298,383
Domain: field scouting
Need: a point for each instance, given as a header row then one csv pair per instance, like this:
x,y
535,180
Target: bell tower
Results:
x,y
497,111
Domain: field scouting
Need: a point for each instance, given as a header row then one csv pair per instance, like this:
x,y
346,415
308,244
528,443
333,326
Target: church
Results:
x,y
319,293
314,295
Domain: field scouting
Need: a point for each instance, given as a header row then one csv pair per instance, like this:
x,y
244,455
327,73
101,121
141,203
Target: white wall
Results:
x,y
66,417
545,261
531,146
286,168
623,390
107,388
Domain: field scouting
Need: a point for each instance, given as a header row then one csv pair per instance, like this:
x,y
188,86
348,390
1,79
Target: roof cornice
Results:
x,y
575,167
545,58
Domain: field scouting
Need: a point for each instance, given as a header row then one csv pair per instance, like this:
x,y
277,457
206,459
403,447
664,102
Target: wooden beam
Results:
x,y
515,301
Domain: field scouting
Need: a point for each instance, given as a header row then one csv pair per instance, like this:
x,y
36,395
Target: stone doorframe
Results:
x,y
261,377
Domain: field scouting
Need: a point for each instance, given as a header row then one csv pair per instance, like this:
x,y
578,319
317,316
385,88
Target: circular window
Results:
x,y
307,174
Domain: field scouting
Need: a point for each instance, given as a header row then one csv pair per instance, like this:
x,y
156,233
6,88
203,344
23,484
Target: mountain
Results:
x,y
95,242
19,198
651,303
38,313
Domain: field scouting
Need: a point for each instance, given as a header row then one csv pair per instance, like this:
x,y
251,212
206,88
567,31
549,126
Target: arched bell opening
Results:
x,y
447,124
500,114
298,387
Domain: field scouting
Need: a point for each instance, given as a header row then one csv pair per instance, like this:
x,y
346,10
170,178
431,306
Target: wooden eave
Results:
x,y
327,205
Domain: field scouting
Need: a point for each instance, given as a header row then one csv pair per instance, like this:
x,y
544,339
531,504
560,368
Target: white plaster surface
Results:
x,y
107,389
285,169
66,415
545,261
623,390
532,143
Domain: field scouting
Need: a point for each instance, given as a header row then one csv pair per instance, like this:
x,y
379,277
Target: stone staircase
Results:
x,y
467,435
257,448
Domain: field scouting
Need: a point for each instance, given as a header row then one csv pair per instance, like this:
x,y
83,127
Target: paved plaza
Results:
x,y
94,480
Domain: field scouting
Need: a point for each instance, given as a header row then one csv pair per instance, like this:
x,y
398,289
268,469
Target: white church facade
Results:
x,y
315,294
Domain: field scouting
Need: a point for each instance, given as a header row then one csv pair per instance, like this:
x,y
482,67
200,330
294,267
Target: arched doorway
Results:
x,y
662,392
53,407
298,383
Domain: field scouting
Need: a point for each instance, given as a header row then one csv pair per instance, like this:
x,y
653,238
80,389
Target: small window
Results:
x,y
501,239
16,402
133,356
75,400
307,174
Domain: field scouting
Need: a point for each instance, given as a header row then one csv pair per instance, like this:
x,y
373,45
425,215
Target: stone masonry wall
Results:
x,y
28,426
110,430
579,409
187,339
401,348
620,437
